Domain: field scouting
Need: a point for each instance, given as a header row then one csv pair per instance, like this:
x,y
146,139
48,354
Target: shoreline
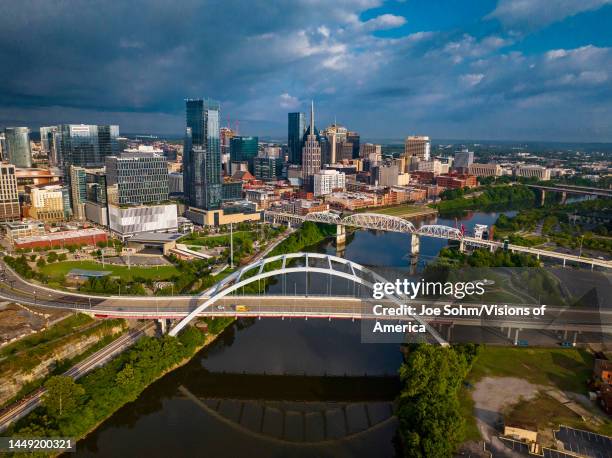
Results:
x,y
207,341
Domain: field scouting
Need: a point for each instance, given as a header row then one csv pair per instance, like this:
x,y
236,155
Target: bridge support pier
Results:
x,y
575,338
461,246
509,332
162,326
340,235
542,197
516,335
448,332
563,197
415,244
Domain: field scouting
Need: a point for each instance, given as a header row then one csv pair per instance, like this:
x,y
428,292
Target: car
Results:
x,y
567,344
241,308
522,343
220,307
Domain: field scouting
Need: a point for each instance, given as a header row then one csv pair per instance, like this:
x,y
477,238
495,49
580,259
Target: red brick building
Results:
x,y
61,239
456,181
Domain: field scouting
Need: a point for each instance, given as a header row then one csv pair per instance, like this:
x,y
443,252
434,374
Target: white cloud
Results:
x,y
532,14
383,22
471,79
288,101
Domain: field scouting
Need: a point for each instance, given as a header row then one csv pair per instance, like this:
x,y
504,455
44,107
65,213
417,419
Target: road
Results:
x,y
311,306
21,408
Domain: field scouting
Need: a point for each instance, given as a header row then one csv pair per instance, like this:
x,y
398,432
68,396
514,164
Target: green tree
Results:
x,y
62,257
40,263
63,395
51,256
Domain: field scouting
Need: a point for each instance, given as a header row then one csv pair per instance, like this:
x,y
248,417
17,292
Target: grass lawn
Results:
x,y
566,368
60,269
400,210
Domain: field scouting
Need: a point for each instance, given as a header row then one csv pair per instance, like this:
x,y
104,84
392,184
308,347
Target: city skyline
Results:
x,y
488,70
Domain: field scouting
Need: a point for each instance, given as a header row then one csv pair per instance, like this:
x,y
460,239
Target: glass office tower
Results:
x,y
17,143
202,155
244,149
295,134
86,145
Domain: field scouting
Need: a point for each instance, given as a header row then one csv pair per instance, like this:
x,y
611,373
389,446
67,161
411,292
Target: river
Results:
x,y
277,387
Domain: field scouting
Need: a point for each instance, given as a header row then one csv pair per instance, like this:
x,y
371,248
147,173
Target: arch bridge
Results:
x,y
287,264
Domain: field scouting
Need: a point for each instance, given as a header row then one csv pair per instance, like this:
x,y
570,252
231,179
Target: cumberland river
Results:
x,y
278,388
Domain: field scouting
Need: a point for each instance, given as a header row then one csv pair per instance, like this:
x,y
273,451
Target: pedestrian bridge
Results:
x,y
388,223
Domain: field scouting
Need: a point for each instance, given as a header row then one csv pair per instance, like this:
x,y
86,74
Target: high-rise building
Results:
x,y
85,145
17,143
244,149
136,178
311,152
335,135
9,196
202,155
353,139
175,183
418,146
3,151
295,135
267,168
137,192
366,150
327,181
48,135
78,191
463,159
47,203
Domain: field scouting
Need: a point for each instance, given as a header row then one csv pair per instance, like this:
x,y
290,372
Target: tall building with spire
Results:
x,y
311,152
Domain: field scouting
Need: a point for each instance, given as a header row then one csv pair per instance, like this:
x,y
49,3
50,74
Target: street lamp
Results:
x,y
581,240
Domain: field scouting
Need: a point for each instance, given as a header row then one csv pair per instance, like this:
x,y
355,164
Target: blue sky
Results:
x,y
506,69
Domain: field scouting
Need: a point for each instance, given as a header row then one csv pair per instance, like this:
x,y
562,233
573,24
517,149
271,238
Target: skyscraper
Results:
x,y
47,142
9,197
202,155
134,178
416,145
244,149
311,153
85,145
17,143
295,134
463,159
353,139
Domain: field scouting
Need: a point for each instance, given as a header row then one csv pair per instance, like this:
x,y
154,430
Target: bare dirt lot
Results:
x,y
491,396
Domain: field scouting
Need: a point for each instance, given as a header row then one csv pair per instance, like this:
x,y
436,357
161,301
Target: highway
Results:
x,y
287,306
21,408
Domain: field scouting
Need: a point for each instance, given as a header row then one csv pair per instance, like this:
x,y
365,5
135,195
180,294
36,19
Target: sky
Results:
x,y
454,69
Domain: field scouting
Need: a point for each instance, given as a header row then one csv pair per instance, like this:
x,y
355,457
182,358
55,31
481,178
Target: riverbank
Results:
x,y
110,387
490,198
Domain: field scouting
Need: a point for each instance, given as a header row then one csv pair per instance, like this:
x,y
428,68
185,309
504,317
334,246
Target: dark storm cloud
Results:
x,y
133,63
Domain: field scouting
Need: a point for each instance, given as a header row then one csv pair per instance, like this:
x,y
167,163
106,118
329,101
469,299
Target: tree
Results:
x,y
63,395
62,257
51,256
40,263
33,257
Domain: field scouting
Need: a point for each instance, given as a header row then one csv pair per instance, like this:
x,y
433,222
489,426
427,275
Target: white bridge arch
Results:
x,y
352,271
